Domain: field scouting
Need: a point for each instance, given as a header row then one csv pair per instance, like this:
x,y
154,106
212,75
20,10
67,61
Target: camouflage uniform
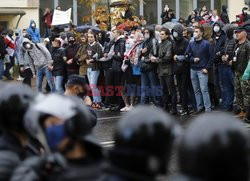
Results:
x,y
242,55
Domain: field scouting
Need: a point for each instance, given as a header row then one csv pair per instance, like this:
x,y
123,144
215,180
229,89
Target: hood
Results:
x,y
32,21
178,29
26,40
224,8
229,30
221,25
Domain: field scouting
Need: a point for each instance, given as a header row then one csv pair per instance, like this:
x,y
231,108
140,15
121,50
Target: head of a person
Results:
x,y
177,32
83,38
91,37
58,8
204,8
76,86
208,32
117,33
149,33
215,147
27,44
217,27
56,43
215,13
165,34
198,32
244,10
32,24
143,141
71,38
14,102
59,123
241,33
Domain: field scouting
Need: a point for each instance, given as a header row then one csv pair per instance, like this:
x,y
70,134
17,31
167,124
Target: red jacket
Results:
x,y
47,18
9,43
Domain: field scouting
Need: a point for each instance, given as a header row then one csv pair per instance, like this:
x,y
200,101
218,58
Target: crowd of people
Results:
x,y
199,63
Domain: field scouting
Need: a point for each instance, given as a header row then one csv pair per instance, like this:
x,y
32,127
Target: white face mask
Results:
x,y
146,36
245,12
196,35
175,34
216,29
33,25
28,46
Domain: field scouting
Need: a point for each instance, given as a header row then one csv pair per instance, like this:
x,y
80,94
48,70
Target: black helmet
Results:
x,y
70,109
143,141
14,102
215,148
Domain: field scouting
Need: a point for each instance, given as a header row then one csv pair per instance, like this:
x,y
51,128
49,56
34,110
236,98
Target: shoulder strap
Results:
x,y
37,46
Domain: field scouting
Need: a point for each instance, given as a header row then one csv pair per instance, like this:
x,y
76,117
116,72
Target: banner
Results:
x,y
61,17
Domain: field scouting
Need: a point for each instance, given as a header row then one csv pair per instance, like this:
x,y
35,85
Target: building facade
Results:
x,y
18,13
150,9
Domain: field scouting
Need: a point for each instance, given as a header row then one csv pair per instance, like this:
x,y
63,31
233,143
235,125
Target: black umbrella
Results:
x,y
119,4
85,28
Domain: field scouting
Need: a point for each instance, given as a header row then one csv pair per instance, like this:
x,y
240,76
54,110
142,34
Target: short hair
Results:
x,y
201,28
166,31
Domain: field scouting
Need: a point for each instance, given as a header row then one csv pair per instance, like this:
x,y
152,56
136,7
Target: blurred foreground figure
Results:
x,y
15,143
143,144
62,125
214,148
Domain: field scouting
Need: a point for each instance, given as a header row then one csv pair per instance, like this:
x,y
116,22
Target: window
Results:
x,y
201,3
82,11
150,11
65,5
218,4
186,6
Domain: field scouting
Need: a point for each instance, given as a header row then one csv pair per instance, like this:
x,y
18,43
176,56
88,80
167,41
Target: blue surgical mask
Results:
x,y
55,134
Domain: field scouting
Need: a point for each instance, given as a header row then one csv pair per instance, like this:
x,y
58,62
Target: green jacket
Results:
x,y
246,75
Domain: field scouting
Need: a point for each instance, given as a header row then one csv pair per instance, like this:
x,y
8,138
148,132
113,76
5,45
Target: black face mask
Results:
x,y
81,95
72,41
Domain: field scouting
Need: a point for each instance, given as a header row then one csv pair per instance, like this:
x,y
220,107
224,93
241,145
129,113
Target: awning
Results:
x,y
7,12
12,12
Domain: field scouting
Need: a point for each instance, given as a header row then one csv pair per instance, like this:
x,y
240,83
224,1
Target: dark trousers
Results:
x,y
182,82
108,82
27,76
117,81
8,66
169,87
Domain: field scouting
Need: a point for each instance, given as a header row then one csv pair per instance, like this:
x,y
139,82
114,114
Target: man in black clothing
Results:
x,y
167,15
62,125
182,68
2,52
224,15
15,143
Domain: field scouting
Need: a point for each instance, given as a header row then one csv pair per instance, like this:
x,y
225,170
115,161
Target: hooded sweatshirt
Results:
x,y
38,56
34,32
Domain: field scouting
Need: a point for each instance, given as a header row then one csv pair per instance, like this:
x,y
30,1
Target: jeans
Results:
x,y
93,78
226,82
59,84
1,69
148,79
200,85
41,72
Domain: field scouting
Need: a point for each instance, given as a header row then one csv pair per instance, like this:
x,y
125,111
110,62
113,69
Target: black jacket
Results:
x,y
71,52
2,48
219,42
12,153
224,16
119,50
242,54
58,62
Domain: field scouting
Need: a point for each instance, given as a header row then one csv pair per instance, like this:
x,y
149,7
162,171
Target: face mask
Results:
x,y
28,46
55,134
175,34
237,19
146,36
33,25
216,29
71,41
245,12
195,35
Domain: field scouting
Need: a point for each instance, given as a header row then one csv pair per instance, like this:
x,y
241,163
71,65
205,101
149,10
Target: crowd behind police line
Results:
x,y
200,63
